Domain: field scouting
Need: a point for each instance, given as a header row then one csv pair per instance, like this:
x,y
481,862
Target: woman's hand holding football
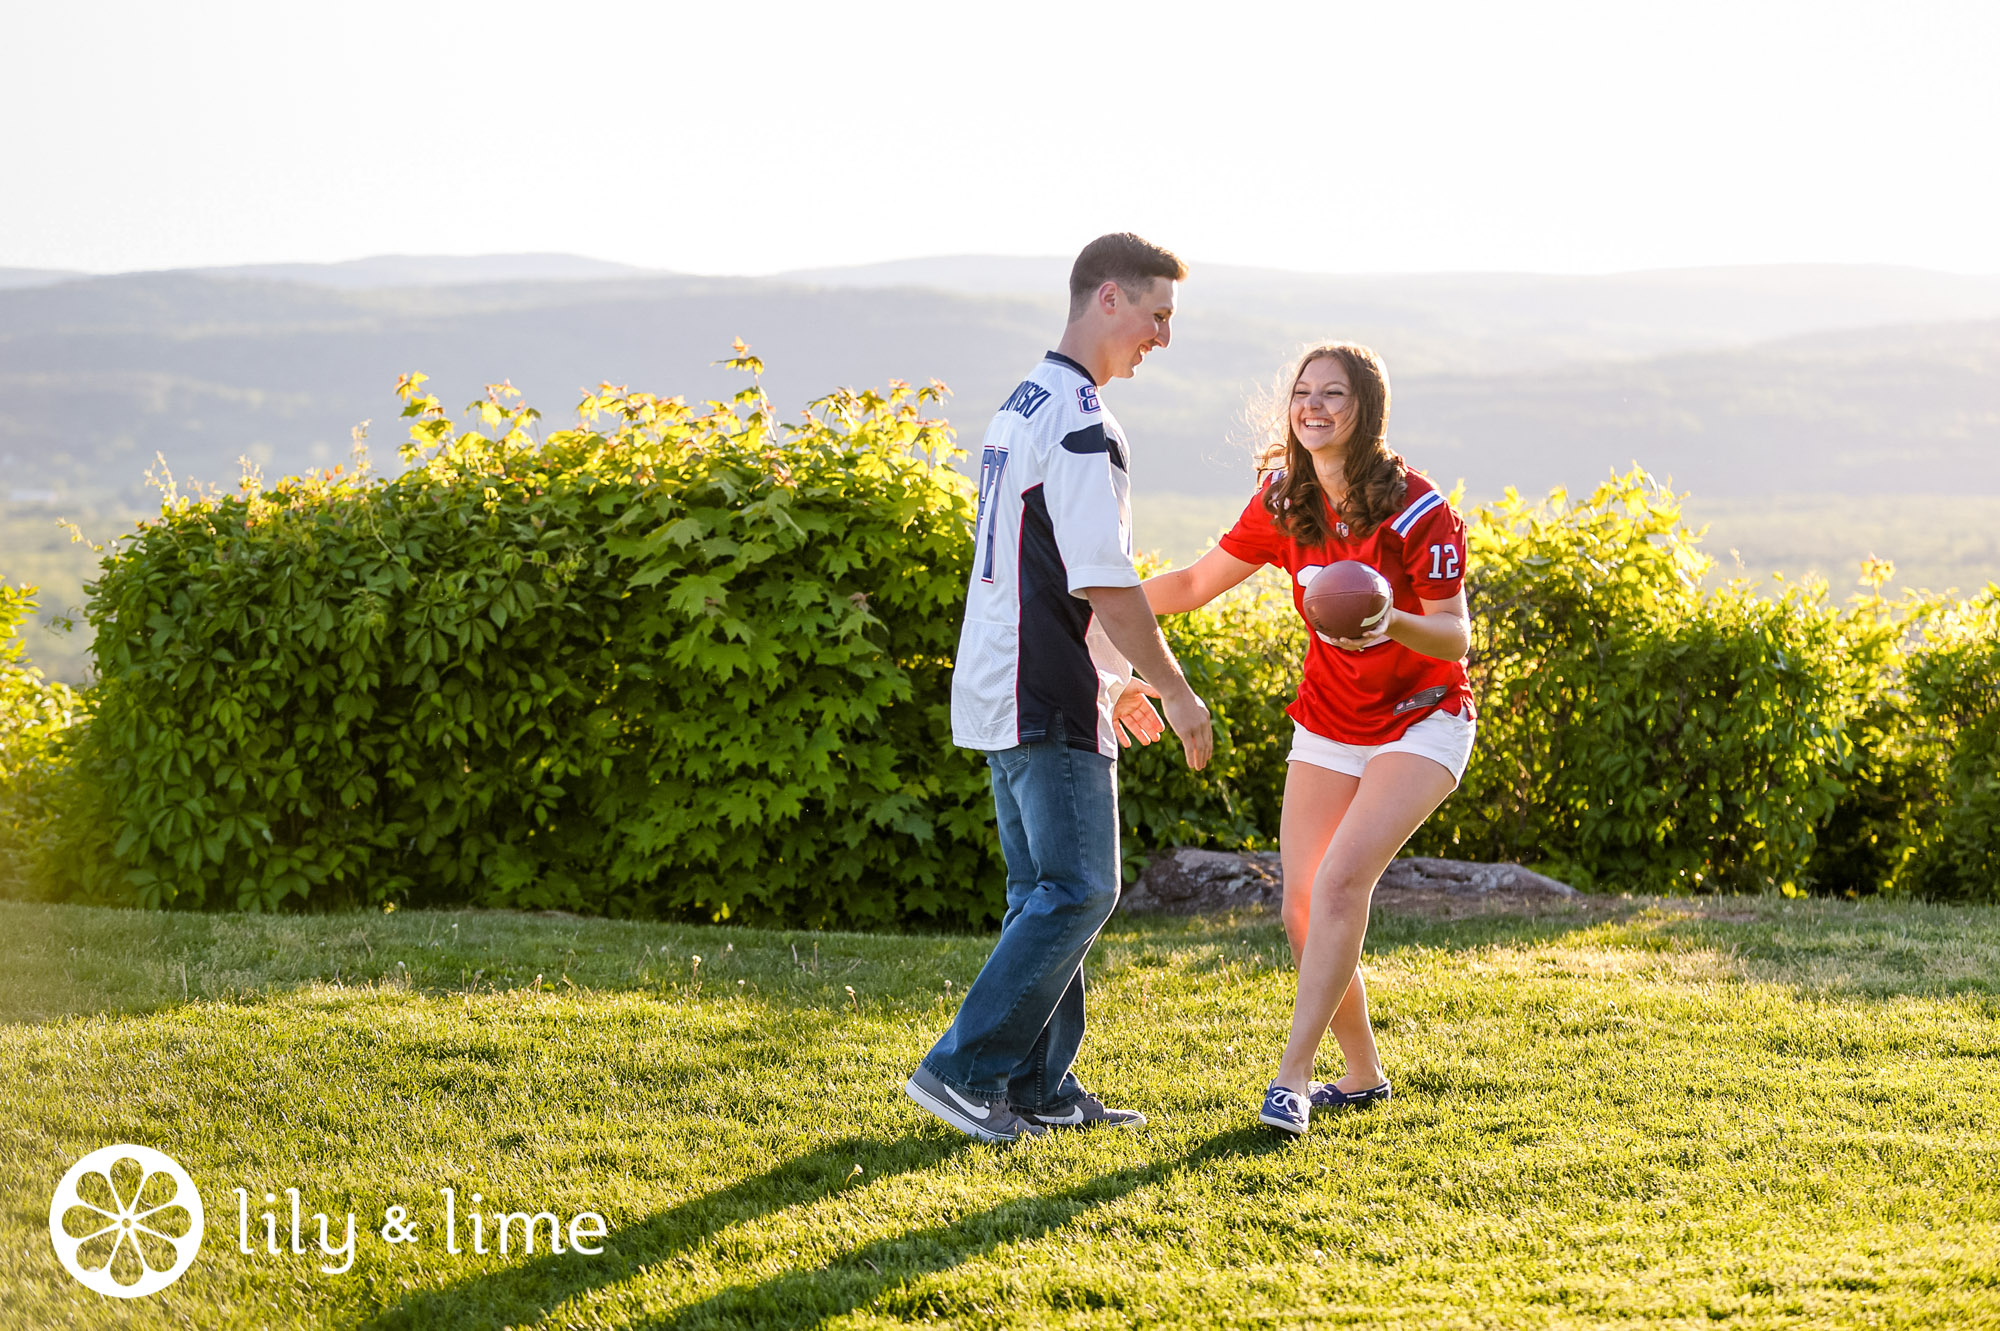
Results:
x,y
1380,635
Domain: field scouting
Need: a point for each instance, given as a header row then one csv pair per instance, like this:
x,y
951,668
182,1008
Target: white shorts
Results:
x,y
1443,738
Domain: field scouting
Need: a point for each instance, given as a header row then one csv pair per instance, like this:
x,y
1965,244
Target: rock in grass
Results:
x,y
1200,882
1468,878
1196,882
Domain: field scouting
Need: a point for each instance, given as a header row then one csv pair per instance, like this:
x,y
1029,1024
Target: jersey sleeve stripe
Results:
x,y
1408,517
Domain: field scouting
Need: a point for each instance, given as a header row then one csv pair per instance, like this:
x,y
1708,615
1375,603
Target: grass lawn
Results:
x,y
1749,1113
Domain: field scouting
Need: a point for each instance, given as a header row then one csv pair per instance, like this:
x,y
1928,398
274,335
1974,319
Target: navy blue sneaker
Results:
x,y
1286,1110
1325,1095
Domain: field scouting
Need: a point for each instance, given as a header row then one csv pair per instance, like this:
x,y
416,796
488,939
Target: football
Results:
x,y
1346,600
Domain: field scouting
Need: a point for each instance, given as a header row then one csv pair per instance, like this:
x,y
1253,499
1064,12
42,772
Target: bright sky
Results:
x,y
731,137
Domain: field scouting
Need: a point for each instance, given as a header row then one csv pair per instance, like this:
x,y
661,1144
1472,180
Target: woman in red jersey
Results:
x,y
1384,723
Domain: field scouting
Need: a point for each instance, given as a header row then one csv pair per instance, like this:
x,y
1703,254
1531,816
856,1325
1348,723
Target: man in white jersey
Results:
x,y
1055,623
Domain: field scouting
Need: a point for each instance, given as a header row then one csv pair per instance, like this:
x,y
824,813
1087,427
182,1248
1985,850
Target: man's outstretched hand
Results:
x,y
1133,718
1134,714
1130,624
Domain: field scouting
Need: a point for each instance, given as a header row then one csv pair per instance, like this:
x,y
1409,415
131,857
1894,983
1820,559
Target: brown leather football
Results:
x,y
1347,600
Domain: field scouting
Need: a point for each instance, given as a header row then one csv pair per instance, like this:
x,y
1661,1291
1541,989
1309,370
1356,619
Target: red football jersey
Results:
x,y
1371,696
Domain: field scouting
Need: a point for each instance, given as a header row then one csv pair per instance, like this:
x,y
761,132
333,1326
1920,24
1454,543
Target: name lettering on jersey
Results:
x,y
1027,399
992,462
1086,399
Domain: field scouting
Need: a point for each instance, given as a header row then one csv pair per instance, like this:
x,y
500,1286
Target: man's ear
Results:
x,y
1108,296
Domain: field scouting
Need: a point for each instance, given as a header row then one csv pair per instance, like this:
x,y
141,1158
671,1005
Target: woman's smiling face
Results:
x,y
1323,406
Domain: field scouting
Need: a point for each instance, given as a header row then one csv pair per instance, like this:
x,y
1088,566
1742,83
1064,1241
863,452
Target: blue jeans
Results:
x,y
1018,1030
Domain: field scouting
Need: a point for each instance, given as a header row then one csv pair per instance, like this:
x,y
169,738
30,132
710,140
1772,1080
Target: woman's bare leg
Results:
x,y
1397,791
1315,801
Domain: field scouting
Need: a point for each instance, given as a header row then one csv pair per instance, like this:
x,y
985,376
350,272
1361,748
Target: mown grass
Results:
x,y
1751,1113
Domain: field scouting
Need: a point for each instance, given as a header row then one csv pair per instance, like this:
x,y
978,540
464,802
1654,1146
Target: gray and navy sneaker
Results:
x,y
1089,1112
1325,1095
1286,1110
975,1118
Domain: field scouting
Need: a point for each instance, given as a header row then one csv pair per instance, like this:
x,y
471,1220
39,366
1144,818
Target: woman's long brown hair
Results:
x,y
1373,471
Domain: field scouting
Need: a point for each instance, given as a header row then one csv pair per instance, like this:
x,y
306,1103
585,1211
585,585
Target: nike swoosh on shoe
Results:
x,y
1090,1112
994,1122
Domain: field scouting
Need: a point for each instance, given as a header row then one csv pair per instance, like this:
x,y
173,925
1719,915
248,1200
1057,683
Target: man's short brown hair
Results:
x,y
1130,261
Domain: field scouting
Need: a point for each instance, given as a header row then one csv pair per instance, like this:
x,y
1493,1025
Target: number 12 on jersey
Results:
x,y
992,462
1444,561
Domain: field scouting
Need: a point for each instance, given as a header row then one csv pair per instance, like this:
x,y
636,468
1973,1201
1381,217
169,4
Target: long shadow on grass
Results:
x,y
527,1291
805,1297
858,1277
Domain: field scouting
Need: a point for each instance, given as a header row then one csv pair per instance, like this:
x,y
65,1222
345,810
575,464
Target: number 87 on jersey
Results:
x,y
992,462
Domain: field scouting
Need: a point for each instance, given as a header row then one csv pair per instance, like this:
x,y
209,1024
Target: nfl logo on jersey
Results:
x,y
1086,398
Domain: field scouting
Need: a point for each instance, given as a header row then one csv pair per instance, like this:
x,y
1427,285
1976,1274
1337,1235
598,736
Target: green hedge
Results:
x,y
1241,652
1951,822
683,661
36,715
691,662
1635,731
1638,732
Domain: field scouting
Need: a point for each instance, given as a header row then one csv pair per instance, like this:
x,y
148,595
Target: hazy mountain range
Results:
x,y
1736,381
1817,414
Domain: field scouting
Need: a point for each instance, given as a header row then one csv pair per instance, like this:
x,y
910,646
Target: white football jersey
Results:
x,y
1055,516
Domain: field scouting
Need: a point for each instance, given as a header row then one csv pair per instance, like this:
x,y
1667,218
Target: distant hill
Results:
x,y
97,376
1810,411
1037,277
1498,379
15,278
1501,321
432,270
380,272
1894,410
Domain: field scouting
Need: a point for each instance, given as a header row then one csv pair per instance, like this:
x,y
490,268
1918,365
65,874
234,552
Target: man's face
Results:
x,y
1140,321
